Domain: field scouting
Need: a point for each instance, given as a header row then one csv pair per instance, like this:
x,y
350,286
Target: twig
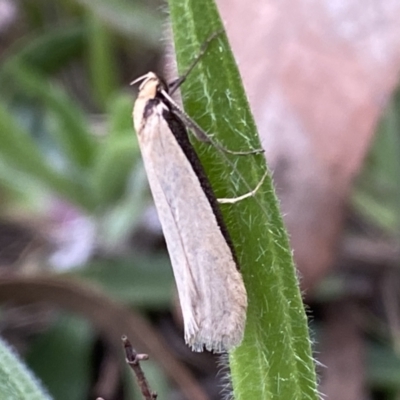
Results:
x,y
133,359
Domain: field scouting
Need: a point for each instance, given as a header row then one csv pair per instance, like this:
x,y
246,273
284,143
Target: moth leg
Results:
x,y
201,135
174,85
234,200
239,153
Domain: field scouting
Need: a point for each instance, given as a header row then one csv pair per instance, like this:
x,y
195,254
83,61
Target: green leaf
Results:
x,y
129,18
20,151
111,170
117,154
383,367
16,381
139,281
51,50
62,356
377,194
274,361
101,57
15,183
119,112
71,132
119,221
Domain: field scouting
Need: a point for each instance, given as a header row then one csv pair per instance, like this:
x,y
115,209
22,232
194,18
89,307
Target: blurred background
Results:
x,y
82,257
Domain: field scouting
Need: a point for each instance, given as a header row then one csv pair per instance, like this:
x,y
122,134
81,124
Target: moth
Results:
x,y
211,291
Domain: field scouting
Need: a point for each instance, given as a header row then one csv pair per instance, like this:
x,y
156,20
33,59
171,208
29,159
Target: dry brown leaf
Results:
x,y
318,74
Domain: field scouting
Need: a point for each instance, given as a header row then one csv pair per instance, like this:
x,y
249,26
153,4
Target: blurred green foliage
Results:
x,y
67,348
16,381
376,198
66,132
377,195
65,119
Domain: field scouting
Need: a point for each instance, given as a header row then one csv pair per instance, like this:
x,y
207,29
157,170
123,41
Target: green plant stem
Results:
x,y
275,360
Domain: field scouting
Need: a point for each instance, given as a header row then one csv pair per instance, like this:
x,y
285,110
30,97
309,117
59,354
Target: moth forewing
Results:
x,y
210,287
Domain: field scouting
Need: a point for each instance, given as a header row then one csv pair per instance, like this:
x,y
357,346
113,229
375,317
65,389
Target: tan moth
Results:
x,y
210,287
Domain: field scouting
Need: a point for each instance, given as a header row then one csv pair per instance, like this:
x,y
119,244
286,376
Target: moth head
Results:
x,y
150,85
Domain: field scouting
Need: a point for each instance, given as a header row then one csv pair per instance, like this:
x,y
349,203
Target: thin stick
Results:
x,y
133,360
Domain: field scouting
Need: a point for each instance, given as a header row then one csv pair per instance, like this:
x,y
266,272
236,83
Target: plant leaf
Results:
x,y
101,57
130,18
119,113
66,348
139,281
72,134
112,167
49,51
16,381
383,367
19,150
274,361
